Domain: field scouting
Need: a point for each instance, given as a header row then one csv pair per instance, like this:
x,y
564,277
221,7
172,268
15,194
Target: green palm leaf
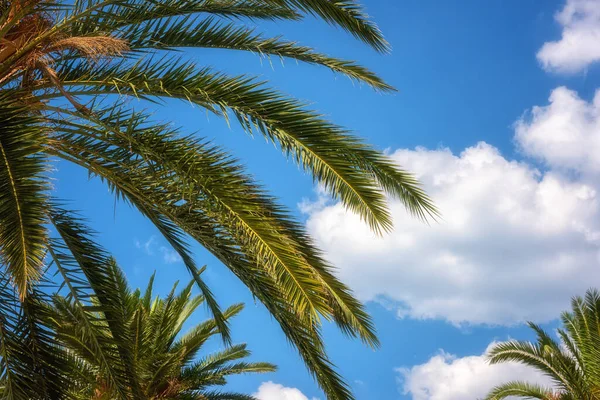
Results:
x,y
209,33
23,191
572,364
148,332
32,365
348,168
347,14
76,57
116,15
199,167
520,389
15,359
79,325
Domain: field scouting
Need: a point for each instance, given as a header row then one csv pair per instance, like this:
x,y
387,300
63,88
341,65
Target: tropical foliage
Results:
x,y
67,69
145,337
119,344
572,364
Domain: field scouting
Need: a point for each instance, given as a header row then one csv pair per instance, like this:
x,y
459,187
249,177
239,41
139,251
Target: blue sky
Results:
x,y
496,114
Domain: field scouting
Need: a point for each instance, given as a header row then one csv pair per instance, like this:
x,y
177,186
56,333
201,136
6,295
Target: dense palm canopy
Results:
x,y
146,333
100,340
572,364
67,70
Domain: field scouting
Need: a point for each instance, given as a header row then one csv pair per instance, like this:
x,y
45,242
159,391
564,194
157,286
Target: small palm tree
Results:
x,y
67,70
144,336
573,364
103,341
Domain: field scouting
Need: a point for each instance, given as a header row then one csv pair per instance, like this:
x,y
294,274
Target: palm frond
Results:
x,y
572,364
195,171
347,14
288,269
214,369
23,191
214,395
520,389
202,169
49,365
541,357
351,170
15,359
210,33
113,16
32,364
192,341
74,51
107,286
163,361
583,330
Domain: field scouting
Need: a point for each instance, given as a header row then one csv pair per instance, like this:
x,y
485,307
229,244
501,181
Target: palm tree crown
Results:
x,y
66,71
148,332
573,364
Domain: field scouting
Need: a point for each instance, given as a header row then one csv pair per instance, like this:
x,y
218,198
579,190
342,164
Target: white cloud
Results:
x,y
579,45
275,391
447,377
170,256
308,206
564,133
147,246
514,244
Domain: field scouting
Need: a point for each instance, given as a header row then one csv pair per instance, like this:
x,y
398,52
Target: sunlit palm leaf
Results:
x,y
68,57
91,332
520,389
572,364
164,359
351,170
209,33
23,190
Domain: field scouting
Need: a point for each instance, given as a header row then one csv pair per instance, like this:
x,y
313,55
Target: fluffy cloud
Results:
x,y
565,133
579,45
147,246
446,377
169,255
514,243
274,391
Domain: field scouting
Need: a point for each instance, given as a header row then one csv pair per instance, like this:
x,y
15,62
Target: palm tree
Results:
x,y
146,334
573,363
117,344
67,69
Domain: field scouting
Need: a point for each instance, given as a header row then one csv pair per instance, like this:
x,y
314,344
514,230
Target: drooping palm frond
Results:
x,y
23,191
113,14
523,390
61,62
205,170
14,358
211,33
572,364
32,364
117,15
347,14
351,170
546,357
261,282
582,328
92,278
